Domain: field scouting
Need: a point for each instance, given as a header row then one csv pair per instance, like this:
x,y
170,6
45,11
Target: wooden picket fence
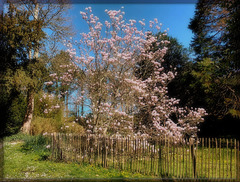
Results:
x,y
202,158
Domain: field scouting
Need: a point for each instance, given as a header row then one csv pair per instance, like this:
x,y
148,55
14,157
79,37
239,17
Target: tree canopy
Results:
x,y
23,40
216,33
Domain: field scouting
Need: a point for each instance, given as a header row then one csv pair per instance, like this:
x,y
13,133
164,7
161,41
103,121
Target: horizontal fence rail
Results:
x,y
203,158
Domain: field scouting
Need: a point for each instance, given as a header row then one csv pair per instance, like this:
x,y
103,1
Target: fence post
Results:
x,y
193,157
216,144
159,156
56,137
55,146
104,152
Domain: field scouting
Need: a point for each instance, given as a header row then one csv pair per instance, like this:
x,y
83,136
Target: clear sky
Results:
x,y
176,17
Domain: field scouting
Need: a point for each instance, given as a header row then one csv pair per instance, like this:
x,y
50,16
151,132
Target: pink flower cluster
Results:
x,y
163,108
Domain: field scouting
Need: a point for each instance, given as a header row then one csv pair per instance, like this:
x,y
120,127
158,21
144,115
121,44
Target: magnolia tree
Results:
x,y
107,55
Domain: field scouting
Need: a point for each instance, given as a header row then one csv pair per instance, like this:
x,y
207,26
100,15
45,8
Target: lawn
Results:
x,y
27,157
20,163
214,159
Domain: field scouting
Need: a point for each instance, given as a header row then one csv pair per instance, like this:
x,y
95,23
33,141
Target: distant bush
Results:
x,y
70,119
42,125
72,127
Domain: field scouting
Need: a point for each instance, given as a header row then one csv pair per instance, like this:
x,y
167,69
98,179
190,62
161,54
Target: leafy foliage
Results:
x,y
20,35
216,48
42,125
23,36
13,107
216,71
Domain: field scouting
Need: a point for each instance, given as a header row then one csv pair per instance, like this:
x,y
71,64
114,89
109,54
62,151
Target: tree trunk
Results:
x,y
29,113
82,105
66,105
30,98
36,48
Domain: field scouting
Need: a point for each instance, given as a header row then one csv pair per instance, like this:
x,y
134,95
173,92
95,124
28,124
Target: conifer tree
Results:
x,y
215,42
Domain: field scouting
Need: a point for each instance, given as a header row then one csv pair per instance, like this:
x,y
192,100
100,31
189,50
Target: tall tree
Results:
x,y
13,57
215,43
31,18
114,91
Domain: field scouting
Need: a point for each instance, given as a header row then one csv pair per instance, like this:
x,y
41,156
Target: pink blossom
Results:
x,y
49,83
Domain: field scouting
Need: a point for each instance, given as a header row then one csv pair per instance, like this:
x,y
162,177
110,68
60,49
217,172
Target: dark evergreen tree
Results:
x,y
216,48
216,71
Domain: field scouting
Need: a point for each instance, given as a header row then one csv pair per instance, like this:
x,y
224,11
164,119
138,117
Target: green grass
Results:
x,y
176,161
27,157
24,162
209,164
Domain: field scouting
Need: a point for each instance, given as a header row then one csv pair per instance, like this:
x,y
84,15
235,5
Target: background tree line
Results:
x,y
212,80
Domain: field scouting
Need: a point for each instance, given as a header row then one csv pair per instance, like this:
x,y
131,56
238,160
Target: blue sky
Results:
x,y
176,17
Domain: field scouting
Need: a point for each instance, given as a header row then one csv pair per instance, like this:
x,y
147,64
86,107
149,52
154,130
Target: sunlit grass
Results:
x,y
176,161
20,164
26,157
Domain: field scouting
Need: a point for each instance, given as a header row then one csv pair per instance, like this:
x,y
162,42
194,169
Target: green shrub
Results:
x,y
72,127
70,119
13,109
39,145
42,125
